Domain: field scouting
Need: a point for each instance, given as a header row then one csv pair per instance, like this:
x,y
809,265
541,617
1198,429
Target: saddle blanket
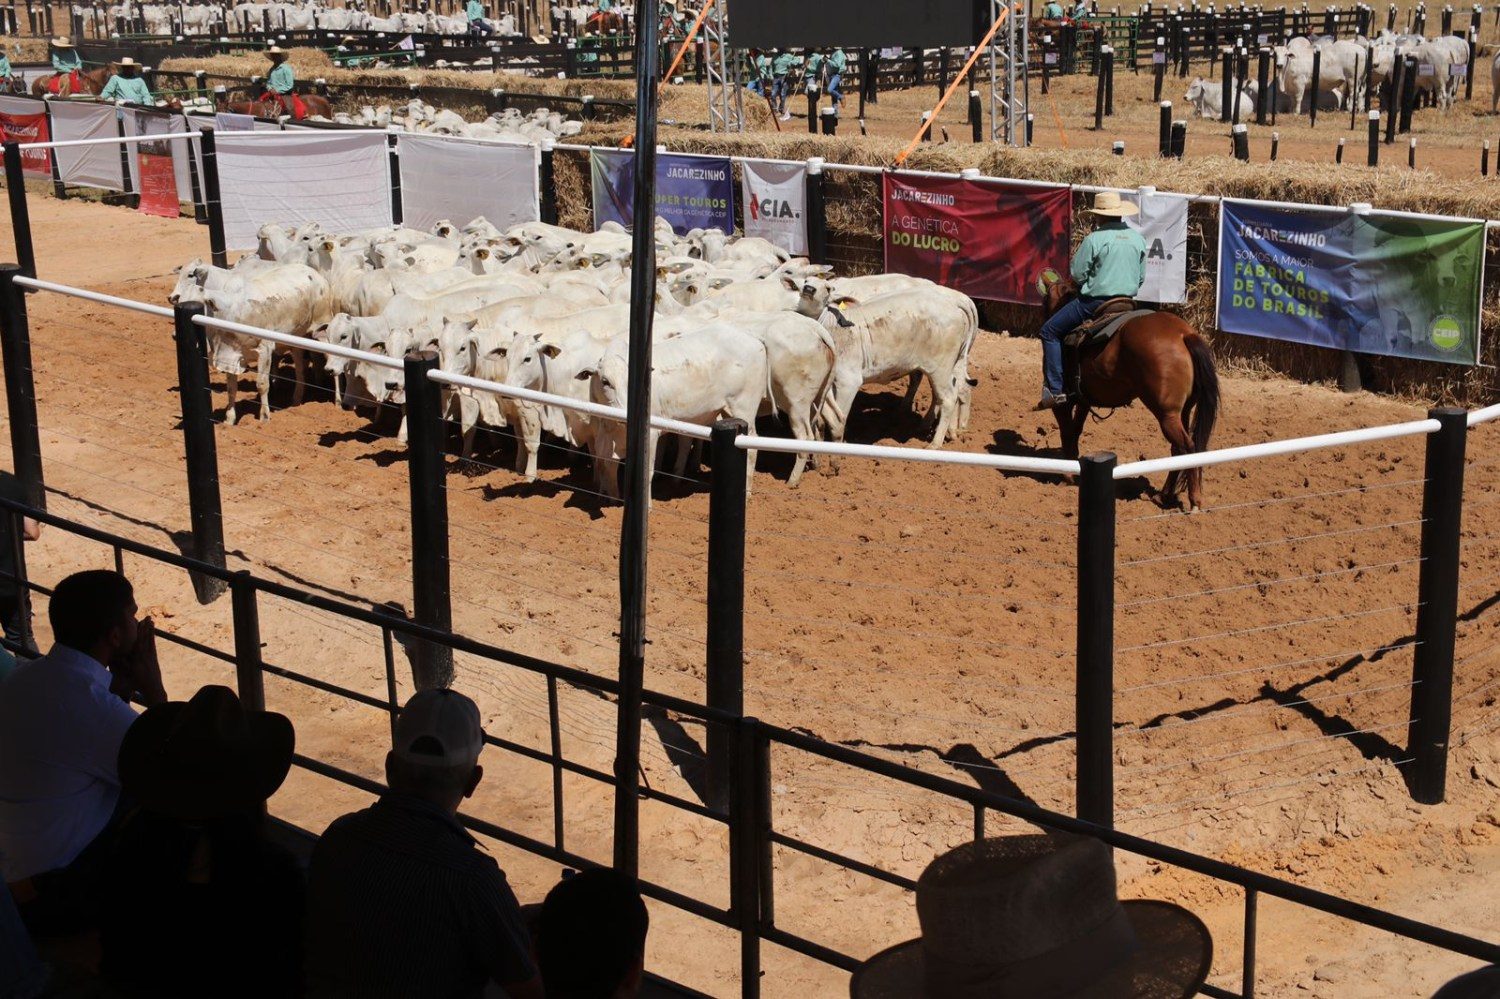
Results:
x,y
1096,333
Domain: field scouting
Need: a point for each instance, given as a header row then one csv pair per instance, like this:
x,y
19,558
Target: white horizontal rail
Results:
x,y
94,296
1295,445
562,402
112,140
303,342
933,456
1484,415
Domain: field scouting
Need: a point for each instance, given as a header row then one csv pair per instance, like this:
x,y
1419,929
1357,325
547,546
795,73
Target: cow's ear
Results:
x,y
550,349
788,282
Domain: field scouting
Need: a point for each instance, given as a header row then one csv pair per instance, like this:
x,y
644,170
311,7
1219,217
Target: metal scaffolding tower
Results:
x,y
1010,86
723,72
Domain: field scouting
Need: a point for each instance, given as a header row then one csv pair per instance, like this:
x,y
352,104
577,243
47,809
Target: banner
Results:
x,y
338,179
987,240
462,179
1371,283
1163,224
87,166
158,184
23,120
775,197
692,192
228,121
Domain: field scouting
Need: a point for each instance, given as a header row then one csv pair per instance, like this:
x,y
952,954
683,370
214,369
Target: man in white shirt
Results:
x,y
62,718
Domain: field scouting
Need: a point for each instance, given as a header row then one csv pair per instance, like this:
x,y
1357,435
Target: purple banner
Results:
x,y
692,192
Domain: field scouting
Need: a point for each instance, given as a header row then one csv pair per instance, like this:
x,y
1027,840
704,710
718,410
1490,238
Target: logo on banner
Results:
x,y
1156,251
1446,334
772,208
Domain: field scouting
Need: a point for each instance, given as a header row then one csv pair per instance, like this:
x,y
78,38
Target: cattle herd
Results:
x,y
305,15
509,125
741,328
1342,73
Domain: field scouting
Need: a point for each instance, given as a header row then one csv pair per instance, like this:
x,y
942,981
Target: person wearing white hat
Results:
x,y
1037,917
66,61
1109,263
127,86
281,82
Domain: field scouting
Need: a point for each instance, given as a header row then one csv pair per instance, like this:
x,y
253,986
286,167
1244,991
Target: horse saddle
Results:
x,y
64,84
1105,322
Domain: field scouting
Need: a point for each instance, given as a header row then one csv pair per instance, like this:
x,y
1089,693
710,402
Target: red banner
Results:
x,y
29,128
987,240
158,194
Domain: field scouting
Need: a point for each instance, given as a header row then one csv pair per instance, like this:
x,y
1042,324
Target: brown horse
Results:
x,y
91,81
268,109
605,22
1158,359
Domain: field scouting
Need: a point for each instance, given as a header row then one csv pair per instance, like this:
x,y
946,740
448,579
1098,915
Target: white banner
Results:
x,y
338,179
462,179
228,121
87,166
1163,224
775,197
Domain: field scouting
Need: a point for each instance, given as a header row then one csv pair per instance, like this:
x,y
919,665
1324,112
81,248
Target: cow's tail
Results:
x,y
1203,401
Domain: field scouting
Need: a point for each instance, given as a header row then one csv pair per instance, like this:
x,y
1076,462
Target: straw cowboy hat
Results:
x,y
61,42
275,50
127,61
1110,203
206,758
1036,917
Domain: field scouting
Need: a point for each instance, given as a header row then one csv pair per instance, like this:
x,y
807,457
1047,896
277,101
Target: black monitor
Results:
x,y
856,24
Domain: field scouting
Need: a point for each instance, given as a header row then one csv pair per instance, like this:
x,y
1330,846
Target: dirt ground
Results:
x,y
919,612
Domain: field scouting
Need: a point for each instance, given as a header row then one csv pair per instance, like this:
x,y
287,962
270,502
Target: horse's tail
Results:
x,y
1204,399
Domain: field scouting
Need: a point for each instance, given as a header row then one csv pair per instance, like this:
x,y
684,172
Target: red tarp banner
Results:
x,y
987,240
158,179
29,128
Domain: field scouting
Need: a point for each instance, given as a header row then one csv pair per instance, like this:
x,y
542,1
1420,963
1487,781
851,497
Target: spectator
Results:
x,y
1037,916
62,719
1080,10
14,609
834,63
1053,11
194,899
782,66
474,11
401,901
591,937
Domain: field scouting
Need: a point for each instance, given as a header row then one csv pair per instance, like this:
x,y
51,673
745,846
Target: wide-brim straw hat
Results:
x,y
61,42
275,50
1036,917
1109,203
128,62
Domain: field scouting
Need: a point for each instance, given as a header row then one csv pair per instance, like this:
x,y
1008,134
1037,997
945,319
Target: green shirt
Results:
x,y
1053,10
763,66
475,10
5,72
131,89
66,60
281,79
782,64
1110,262
837,61
812,66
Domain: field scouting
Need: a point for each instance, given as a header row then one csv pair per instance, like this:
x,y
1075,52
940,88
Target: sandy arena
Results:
x,y
924,613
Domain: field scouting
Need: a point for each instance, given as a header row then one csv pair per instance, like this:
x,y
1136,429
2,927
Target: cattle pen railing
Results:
x,y
746,807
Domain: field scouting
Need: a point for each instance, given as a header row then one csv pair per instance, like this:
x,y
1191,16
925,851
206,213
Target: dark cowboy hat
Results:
x,y
1036,917
205,758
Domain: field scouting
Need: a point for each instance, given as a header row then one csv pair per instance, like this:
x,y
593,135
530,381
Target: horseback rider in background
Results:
x,y
66,61
281,83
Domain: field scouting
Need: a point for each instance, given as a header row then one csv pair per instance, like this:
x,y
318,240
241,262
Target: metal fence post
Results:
x,y
211,200
1437,614
1095,683
204,505
247,660
20,389
744,851
20,214
817,214
432,665
726,597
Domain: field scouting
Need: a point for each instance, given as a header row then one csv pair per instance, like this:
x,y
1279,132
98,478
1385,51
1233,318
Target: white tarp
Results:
x,y
462,179
338,179
87,166
1163,224
775,197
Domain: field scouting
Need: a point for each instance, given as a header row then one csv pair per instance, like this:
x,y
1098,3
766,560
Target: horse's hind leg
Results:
x,y
1175,432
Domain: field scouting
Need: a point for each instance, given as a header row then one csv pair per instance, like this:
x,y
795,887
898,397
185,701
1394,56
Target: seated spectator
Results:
x,y
401,902
14,609
62,719
591,937
1037,917
194,900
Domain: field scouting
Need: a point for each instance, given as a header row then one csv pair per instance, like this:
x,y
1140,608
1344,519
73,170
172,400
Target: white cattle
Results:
x,y
1207,99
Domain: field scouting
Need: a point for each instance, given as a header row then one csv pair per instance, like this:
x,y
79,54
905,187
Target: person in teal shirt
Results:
x,y
782,65
834,64
64,56
474,10
812,71
1110,263
127,86
281,80
1053,11
1080,10
760,72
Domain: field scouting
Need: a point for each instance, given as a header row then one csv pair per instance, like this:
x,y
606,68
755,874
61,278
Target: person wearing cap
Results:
x,y
401,901
194,886
591,936
1037,917
66,61
63,718
1109,263
127,86
474,11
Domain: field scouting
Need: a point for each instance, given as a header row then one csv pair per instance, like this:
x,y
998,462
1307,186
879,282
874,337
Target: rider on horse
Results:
x,y
1110,263
127,86
280,84
68,65
7,75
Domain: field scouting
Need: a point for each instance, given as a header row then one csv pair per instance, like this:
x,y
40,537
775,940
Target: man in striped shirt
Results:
x,y
401,901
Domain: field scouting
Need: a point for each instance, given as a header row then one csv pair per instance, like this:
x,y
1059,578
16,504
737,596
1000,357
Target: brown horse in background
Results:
x,y
314,104
1158,359
91,82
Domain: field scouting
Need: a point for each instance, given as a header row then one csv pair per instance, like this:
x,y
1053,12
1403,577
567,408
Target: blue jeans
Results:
x,y
1064,321
779,90
478,28
756,87
834,92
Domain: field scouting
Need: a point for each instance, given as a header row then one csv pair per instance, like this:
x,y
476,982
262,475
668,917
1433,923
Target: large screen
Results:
x,y
856,24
